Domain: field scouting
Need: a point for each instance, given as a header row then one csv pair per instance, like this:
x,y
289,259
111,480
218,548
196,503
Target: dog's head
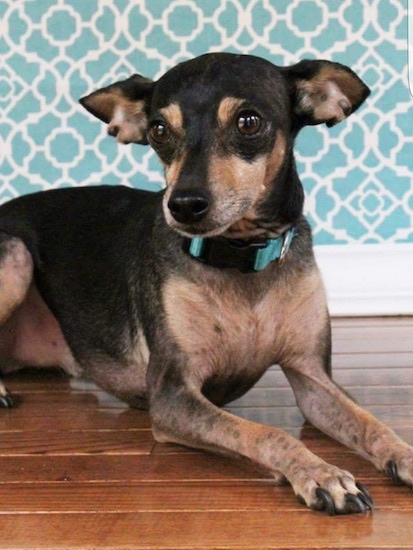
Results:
x,y
223,126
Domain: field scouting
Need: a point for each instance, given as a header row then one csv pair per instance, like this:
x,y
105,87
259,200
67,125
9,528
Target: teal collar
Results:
x,y
246,256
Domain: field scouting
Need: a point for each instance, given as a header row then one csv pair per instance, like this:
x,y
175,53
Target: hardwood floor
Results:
x,y
80,470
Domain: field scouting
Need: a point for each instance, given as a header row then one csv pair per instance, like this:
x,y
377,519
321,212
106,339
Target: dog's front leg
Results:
x,y
327,407
180,413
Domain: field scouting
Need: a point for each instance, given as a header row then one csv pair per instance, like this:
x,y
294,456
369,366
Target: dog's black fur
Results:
x,y
98,280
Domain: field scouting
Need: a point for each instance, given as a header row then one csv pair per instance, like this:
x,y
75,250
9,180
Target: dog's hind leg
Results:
x,y
16,271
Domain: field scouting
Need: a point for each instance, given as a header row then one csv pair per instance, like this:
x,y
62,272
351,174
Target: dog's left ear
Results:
x,y
324,92
123,106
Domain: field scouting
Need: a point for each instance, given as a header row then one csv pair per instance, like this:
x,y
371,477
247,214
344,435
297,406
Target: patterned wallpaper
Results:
x,y
358,175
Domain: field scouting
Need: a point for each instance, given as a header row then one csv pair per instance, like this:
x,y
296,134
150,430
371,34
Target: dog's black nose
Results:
x,y
188,207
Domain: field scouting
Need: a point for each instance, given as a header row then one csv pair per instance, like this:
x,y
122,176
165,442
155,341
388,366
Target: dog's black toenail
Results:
x,y
391,470
6,401
365,495
325,502
355,504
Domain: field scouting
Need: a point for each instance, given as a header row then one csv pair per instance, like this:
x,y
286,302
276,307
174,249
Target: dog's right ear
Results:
x,y
323,92
123,106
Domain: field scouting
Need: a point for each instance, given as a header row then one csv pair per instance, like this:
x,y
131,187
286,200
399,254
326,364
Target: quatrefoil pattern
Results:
x,y
358,176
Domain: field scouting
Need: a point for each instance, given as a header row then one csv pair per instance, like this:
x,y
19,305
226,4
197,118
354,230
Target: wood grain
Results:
x,y
79,470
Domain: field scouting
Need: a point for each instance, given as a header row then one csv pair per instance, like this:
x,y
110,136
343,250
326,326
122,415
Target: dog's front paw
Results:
x,y
327,488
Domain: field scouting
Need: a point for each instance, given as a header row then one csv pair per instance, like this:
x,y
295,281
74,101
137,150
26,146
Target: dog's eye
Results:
x,y
248,123
160,132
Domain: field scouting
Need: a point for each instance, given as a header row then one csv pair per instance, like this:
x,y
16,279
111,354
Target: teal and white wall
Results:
x,y
358,176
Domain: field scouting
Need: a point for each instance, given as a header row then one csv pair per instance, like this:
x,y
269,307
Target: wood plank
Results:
x,y
256,495
192,466
230,530
372,360
32,380
395,415
37,414
78,400
387,344
284,397
159,467
71,442
362,374
376,321
80,470
143,497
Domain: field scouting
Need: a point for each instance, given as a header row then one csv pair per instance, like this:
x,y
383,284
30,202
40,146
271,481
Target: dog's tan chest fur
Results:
x,y
229,333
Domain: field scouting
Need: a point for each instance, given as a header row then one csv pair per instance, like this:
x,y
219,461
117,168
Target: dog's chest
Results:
x,y
223,333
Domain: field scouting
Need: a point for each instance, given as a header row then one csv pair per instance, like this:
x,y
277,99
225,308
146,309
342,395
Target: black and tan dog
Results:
x,y
180,300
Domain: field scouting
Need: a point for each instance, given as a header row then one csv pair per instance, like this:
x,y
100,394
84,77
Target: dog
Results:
x,y
178,301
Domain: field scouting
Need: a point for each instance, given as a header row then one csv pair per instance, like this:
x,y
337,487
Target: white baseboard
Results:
x,y
367,280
